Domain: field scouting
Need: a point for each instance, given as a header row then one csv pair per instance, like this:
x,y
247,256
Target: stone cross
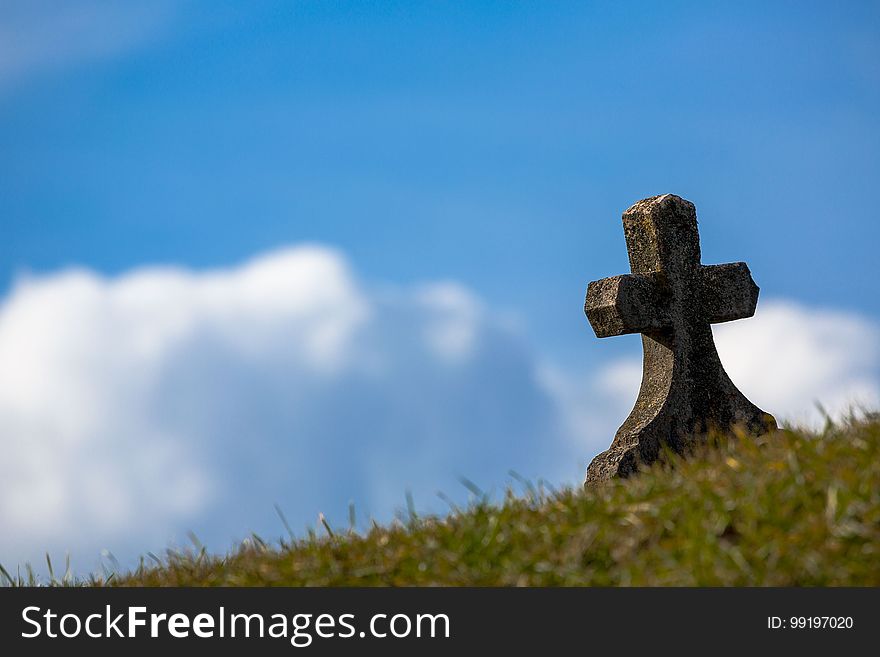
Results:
x,y
671,299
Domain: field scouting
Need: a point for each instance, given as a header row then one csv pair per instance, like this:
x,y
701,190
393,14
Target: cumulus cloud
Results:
x,y
134,408
790,357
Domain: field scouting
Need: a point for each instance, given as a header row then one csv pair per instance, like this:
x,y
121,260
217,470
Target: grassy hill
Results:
x,y
789,509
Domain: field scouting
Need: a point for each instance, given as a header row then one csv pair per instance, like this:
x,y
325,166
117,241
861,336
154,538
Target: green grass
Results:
x,y
792,508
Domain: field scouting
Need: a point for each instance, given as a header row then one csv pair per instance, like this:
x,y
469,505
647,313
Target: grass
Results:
x,y
792,508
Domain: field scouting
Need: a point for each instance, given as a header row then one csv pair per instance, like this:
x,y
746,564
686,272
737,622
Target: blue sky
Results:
x,y
493,145
494,142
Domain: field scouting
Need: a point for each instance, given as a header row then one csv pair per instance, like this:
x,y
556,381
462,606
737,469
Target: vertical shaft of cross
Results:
x,y
671,299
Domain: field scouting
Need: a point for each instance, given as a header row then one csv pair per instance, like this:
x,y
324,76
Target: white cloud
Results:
x,y
789,357
87,453
455,315
137,407
41,35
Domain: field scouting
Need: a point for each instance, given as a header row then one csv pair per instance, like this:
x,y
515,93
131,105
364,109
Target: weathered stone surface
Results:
x,y
671,299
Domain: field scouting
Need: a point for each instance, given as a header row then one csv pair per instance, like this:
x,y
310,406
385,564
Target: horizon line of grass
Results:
x,y
791,508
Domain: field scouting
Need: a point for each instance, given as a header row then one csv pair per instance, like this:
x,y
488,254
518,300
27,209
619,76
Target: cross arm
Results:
x,y
632,303
729,292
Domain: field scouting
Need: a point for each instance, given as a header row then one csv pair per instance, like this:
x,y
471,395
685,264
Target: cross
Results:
x,y
672,300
